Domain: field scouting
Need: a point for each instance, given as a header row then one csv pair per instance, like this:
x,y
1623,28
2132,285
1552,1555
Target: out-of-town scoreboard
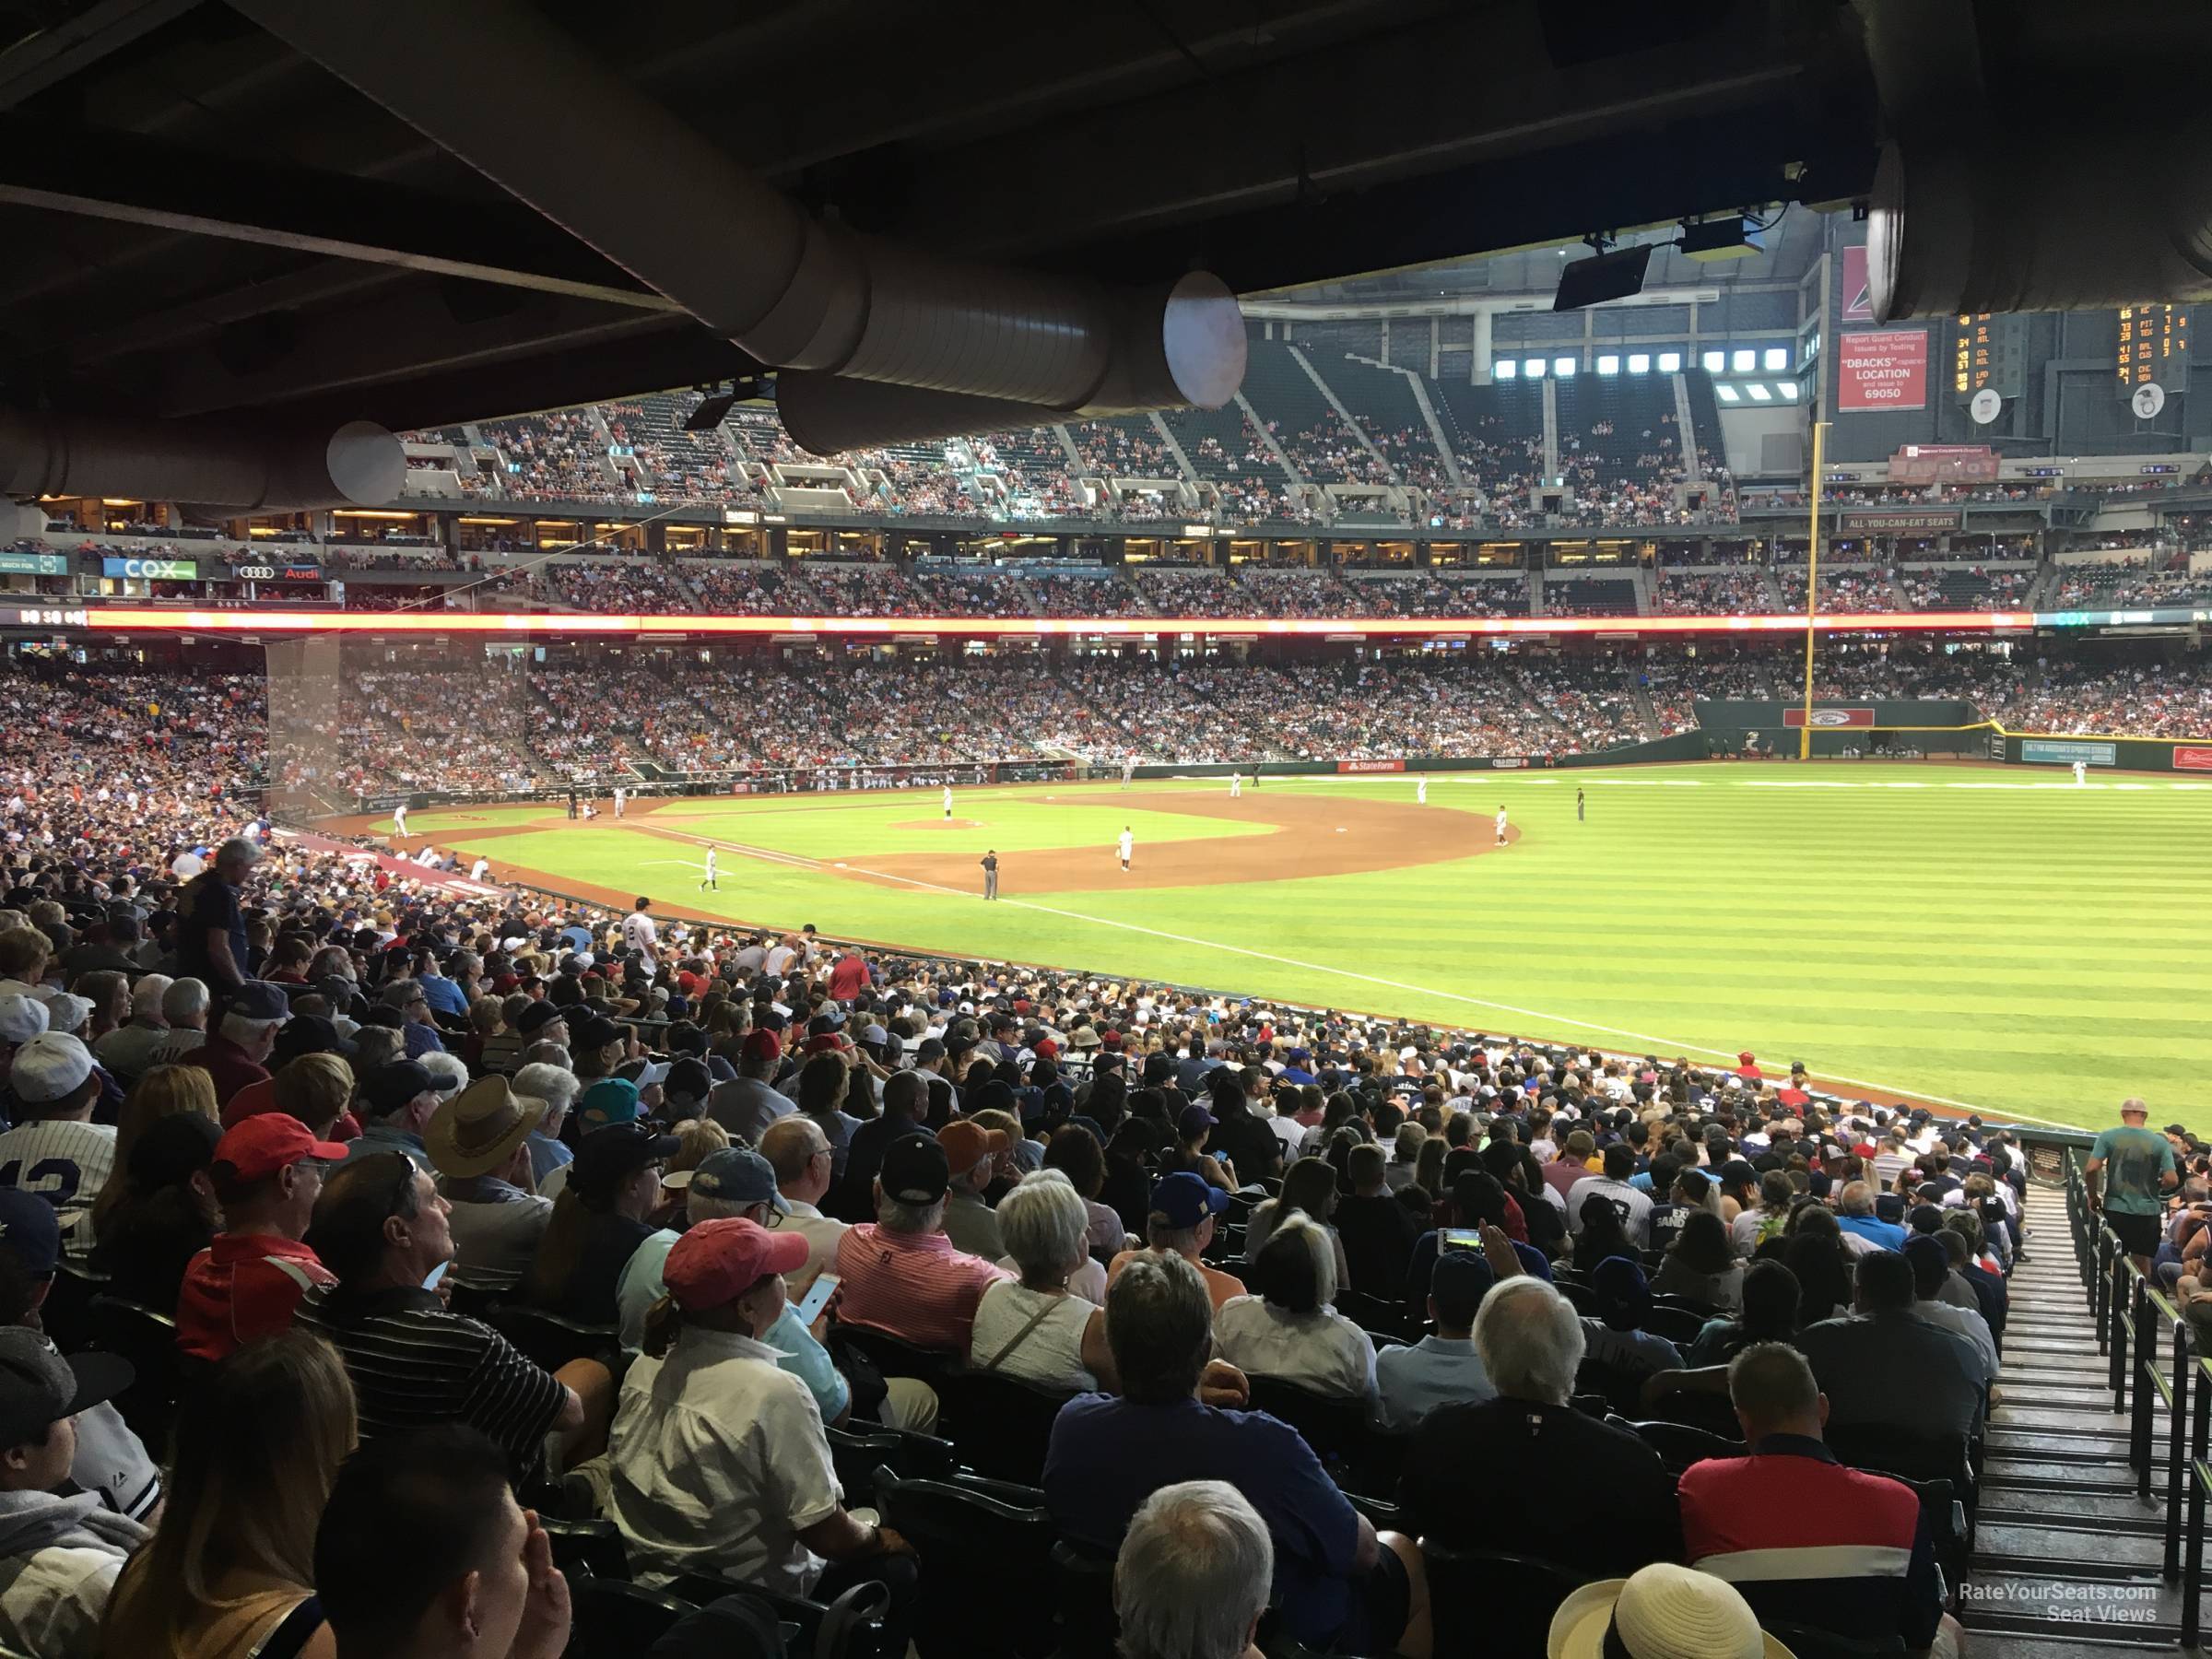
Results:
x,y
2153,348
1986,351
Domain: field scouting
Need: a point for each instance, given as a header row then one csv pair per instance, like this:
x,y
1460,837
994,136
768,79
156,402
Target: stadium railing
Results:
x,y
2154,1367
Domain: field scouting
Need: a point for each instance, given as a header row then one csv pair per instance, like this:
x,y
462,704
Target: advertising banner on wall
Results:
x,y
1858,298
35,564
152,569
1881,369
1889,523
2188,758
1824,720
1371,766
2046,751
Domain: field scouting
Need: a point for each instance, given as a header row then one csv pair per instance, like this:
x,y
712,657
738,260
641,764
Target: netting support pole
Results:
x,y
1812,595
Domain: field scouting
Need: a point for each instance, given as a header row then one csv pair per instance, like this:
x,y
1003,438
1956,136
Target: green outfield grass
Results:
x,y
1990,937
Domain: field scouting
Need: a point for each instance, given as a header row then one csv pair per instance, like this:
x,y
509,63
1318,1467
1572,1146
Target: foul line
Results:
x,y
1369,979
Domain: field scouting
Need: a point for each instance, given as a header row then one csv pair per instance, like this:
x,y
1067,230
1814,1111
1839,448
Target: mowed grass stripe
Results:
x,y
2030,950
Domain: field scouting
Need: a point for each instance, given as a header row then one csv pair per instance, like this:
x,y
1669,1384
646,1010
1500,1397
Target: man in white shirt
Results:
x,y
1635,1206
641,934
619,799
399,823
1501,826
949,803
804,1162
1126,843
477,871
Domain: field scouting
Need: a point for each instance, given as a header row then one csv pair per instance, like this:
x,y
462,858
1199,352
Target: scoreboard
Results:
x,y
2153,348
1986,351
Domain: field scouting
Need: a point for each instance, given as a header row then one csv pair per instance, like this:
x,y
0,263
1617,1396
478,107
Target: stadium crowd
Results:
x,y
464,1236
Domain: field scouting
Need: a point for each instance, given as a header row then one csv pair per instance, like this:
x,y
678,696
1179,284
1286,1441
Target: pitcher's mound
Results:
x,y
940,823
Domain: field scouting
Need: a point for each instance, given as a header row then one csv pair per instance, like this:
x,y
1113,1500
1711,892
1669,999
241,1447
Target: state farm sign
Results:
x,y
1886,368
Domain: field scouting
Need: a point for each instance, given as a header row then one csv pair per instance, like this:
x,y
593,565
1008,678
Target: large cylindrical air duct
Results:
x,y
672,208
2123,215
199,462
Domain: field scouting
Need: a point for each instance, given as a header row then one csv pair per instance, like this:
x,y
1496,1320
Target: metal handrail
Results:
x,y
2132,1317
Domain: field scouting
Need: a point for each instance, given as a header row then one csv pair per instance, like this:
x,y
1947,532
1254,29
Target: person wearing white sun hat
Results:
x,y
1662,1612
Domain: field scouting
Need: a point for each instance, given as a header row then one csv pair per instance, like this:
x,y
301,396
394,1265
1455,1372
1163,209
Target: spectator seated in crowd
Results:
x,y
1035,1327
267,1174
901,1274
1194,1574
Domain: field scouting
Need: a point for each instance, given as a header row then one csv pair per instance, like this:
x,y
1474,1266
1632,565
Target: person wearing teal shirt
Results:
x,y
2141,1172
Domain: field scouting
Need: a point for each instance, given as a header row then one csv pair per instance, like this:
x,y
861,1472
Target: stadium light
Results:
x,y
1505,369
1777,358
1758,393
1531,368
1726,395
1743,362
1670,362
1715,362
1639,362
1609,364
1563,368
1789,389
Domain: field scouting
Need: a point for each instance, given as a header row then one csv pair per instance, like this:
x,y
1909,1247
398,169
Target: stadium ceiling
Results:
x,y
246,209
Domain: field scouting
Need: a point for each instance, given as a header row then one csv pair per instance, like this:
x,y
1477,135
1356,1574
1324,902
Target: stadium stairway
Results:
x,y
2067,1557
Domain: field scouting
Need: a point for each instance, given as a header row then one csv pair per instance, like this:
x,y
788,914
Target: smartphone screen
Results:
x,y
817,1298
1461,1238
436,1273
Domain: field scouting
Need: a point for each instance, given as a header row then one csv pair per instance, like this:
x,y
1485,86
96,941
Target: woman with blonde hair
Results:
x,y
229,1573
315,1088
165,1091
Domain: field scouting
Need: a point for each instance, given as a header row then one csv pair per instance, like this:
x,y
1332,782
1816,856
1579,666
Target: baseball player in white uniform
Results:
x,y
1236,784
1501,826
1421,790
709,881
2081,774
1125,842
620,798
948,797
641,934
399,823
1128,772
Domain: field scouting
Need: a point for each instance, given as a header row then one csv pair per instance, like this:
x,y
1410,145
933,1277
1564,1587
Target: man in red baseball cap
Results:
x,y
268,1174
708,1410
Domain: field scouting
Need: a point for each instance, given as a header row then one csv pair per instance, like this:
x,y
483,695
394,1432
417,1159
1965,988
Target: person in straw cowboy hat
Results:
x,y
480,1143
1663,1612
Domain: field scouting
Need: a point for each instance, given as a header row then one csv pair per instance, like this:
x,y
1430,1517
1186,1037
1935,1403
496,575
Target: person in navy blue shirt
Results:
x,y
1340,1585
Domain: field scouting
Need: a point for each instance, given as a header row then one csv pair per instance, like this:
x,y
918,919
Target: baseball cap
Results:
x,y
50,1065
1889,1207
31,1231
1186,1199
737,1176
389,1086
915,1169
718,1261
39,1387
760,1045
1623,1293
257,999
605,1156
593,1031
610,1100
67,1013
689,1079
271,1141
1192,1120
536,1017
967,1144
309,1034
21,1017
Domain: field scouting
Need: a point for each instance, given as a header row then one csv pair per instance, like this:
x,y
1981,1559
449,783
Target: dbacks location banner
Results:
x,y
1882,369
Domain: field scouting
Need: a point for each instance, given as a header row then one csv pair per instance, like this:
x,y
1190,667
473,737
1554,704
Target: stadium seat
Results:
x,y
1000,1425
1679,1444
949,1521
1619,1387
149,1340
849,1628
1377,1316
1678,1325
1689,1305
472,1301
594,1546
857,1454
550,1339
1083,1590
1489,1605
1580,1296
891,1356
64,1314
615,1620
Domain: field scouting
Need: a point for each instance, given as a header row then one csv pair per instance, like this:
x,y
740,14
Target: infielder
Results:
x,y
618,800
1421,790
1126,843
710,881
948,797
1236,785
2081,774
1501,826
399,823
1128,772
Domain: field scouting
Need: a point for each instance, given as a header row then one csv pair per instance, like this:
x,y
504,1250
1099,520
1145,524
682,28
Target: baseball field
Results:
x,y
1987,938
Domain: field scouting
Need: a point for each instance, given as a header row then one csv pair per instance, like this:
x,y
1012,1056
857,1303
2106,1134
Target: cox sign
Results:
x,y
153,569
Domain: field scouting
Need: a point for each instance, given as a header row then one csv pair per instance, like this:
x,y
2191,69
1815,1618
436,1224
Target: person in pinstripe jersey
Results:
x,y
54,1150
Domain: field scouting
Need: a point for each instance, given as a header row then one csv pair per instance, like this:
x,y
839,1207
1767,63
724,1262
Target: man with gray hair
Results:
x,y
900,1274
1182,1414
1530,1341
1192,1576
184,1010
232,1056
1863,1230
211,926
127,1052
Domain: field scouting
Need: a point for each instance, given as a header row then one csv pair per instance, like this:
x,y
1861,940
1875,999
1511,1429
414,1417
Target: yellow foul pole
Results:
x,y
1812,596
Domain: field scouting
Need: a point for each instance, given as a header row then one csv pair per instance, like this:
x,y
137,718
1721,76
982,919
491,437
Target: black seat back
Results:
x,y
949,1521
1678,1326
550,1339
593,1547
614,1619
149,1340
1681,1445
1083,1588
1810,1642
1489,1605
857,1454
65,1314
1332,1427
891,1356
1002,1425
